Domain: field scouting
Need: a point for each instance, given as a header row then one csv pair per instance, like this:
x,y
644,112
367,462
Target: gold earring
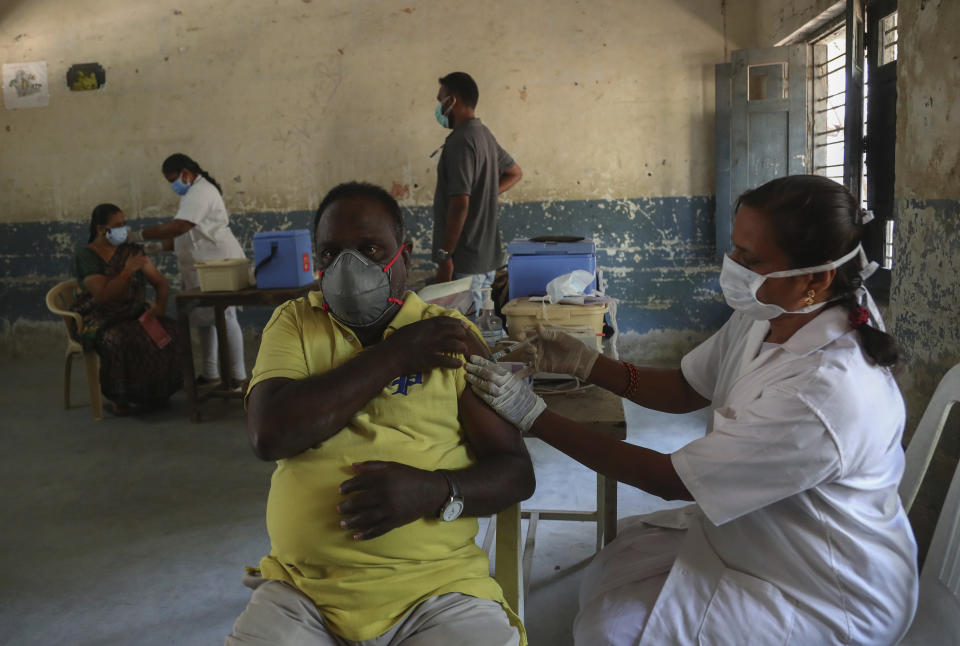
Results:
x,y
809,299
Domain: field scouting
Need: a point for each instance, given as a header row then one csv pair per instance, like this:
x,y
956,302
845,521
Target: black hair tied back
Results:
x,y
816,221
178,162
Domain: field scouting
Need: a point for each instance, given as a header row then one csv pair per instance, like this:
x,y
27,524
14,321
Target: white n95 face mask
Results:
x,y
740,286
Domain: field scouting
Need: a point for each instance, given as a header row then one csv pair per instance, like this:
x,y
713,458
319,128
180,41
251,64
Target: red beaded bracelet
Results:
x,y
633,380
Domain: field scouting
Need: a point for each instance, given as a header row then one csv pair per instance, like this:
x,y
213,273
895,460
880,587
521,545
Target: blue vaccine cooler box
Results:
x,y
535,262
283,258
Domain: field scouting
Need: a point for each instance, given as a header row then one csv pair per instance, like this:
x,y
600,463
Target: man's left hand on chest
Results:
x,y
386,495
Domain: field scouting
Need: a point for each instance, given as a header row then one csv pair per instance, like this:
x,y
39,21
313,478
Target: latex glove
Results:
x,y
559,352
505,392
152,246
135,236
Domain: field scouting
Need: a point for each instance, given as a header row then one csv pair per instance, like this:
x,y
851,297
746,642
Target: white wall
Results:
x,y
282,99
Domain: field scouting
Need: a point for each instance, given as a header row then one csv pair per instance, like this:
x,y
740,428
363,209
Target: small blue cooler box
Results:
x,y
534,264
283,258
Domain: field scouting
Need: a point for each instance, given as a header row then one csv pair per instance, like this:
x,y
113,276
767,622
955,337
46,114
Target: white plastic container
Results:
x,y
226,275
453,295
582,321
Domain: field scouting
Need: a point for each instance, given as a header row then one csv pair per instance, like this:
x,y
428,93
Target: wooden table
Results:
x,y
602,411
190,300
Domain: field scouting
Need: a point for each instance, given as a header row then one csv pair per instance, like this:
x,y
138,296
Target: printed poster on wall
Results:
x,y
25,85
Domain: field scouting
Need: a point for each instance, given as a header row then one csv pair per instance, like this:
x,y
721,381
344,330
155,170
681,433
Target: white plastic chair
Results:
x,y
938,612
59,299
925,438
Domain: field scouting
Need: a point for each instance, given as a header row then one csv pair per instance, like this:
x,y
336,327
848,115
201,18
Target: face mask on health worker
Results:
x,y
441,115
740,286
179,186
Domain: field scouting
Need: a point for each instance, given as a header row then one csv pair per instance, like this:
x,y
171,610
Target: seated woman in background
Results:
x,y
134,369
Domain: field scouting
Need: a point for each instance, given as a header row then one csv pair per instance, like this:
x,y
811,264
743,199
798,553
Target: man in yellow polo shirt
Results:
x,y
384,456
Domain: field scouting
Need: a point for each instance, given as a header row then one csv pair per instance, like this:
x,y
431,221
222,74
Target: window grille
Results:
x,y
829,108
889,35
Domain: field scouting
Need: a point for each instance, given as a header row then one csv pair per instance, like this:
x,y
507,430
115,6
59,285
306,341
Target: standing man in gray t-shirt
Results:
x,y
473,170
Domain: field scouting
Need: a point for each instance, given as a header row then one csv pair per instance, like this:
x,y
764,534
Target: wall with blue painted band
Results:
x,y
658,255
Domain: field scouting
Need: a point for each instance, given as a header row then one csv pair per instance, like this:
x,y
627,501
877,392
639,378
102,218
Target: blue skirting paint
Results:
x,y
658,255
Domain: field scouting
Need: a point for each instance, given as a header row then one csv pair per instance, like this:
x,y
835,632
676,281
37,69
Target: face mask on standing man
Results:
x,y
443,115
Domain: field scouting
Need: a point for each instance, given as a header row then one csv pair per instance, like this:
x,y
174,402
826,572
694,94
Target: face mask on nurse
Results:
x,y
179,186
740,286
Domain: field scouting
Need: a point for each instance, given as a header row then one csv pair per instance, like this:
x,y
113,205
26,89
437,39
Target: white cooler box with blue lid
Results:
x,y
534,262
283,258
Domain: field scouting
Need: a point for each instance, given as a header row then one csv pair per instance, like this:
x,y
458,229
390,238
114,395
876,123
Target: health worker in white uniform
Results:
x,y
797,535
200,231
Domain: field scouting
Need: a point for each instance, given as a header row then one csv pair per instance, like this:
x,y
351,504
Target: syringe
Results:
x,y
500,354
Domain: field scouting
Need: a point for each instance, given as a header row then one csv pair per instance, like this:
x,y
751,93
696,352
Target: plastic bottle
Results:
x,y
489,324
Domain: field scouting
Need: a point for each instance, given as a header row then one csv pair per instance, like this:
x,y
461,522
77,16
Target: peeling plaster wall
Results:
x,y
600,99
925,290
657,254
928,106
607,106
925,294
925,298
777,19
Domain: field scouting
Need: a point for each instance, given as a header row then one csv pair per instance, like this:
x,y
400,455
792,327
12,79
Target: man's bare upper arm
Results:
x,y
259,411
486,432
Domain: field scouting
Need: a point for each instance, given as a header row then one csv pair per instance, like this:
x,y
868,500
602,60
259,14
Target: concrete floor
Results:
x,y
136,530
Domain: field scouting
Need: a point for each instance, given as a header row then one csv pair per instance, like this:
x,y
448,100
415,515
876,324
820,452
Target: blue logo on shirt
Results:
x,y
404,382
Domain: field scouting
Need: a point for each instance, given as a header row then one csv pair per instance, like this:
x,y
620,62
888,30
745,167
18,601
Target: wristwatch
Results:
x,y
443,254
451,509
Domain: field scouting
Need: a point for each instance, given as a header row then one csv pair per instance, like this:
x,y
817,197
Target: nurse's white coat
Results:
x,y
210,238
798,536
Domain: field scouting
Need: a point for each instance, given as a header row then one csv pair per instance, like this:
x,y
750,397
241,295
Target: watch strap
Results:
x,y
452,483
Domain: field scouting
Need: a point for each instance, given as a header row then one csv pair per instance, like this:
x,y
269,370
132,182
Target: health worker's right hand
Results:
x,y
427,344
505,392
557,351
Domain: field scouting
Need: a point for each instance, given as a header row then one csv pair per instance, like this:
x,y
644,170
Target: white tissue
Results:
x,y
572,284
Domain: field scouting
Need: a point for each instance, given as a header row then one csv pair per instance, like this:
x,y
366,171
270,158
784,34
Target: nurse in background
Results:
x,y
798,535
201,231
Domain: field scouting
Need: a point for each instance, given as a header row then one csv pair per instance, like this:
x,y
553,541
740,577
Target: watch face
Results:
x,y
452,510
